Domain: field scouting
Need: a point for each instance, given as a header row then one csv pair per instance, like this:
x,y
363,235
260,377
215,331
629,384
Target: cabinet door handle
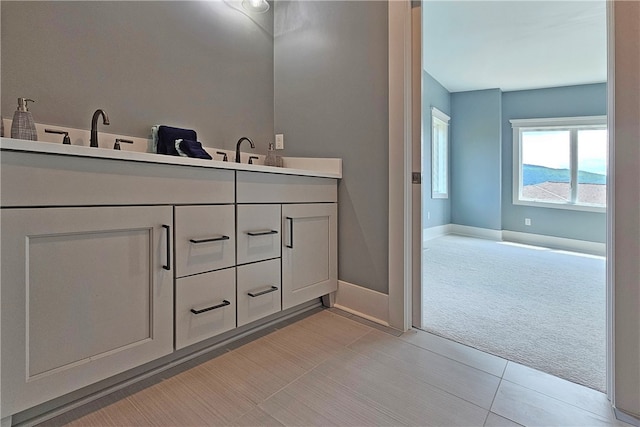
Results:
x,y
290,245
266,291
212,239
167,229
224,303
262,232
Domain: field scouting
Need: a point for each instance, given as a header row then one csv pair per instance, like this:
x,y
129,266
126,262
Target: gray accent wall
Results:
x,y
202,65
476,153
331,100
568,101
435,212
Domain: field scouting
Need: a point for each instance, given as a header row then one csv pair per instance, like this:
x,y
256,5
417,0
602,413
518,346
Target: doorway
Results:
x,y
479,200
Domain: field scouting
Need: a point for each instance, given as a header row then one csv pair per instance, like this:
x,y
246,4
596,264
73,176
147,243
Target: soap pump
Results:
x,y
270,160
23,126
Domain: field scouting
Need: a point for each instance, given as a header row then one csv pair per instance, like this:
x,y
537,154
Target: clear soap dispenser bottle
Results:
x,y
270,160
23,126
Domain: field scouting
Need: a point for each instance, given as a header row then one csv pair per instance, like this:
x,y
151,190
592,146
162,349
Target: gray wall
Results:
x,y
476,182
433,95
201,65
583,100
331,100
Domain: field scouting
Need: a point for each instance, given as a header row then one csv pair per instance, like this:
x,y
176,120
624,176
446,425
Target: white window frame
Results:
x,y
572,124
439,156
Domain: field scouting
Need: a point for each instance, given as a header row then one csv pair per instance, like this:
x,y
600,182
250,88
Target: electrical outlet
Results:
x,y
527,221
280,141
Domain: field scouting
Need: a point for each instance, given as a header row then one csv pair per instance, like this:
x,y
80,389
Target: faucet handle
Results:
x,y
222,153
251,159
119,140
66,140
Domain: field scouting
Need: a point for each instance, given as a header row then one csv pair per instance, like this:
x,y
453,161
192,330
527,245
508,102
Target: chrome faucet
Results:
x,y
94,126
244,138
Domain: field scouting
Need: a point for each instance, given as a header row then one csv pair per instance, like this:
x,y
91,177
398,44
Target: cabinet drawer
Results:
x,y
258,233
258,290
205,238
205,306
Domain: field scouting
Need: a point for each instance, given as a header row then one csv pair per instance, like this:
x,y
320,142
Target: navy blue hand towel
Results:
x,y
167,136
193,149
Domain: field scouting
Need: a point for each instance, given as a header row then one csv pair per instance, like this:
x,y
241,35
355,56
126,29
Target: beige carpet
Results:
x,y
539,307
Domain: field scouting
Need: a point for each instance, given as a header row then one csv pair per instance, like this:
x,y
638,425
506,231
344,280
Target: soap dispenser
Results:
x,y
23,126
270,160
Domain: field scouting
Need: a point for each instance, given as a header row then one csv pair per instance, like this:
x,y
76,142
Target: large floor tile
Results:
x,y
399,393
453,350
461,380
236,372
531,408
307,345
574,394
280,362
191,398
334,327
315,397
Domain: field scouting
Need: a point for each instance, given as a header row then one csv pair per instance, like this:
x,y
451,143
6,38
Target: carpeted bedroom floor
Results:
x,y
539,307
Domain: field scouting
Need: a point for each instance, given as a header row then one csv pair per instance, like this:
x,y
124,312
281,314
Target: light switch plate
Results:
x,y
280,141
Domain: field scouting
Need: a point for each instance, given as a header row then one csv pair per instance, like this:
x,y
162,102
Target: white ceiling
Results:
x,y
514,44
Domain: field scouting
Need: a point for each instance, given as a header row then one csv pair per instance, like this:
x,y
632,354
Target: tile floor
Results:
x,y
331,368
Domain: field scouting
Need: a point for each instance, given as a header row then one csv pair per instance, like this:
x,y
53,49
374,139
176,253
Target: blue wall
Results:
x,y
476,159
435,212
570,101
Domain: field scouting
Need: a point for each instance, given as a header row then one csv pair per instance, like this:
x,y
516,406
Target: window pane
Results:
x,y
546,165
439,161
592,166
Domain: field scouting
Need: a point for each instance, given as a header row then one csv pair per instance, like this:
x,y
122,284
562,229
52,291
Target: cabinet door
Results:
x,y
205,238
86,293
309,252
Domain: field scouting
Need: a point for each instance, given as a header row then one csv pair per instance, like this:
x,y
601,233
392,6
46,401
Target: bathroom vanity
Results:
x,y
111,260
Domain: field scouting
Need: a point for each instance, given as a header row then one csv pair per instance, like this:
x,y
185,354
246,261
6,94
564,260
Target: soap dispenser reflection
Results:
x,y
23,126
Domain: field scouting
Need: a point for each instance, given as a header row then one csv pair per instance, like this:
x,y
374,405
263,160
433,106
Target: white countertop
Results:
x,y
303,166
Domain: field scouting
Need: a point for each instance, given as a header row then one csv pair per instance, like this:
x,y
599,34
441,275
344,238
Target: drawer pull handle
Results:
x,y
224,303
212,239
167,266
262,232
266,291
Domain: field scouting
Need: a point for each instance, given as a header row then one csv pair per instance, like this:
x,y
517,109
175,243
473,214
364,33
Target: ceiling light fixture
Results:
x,y
255,6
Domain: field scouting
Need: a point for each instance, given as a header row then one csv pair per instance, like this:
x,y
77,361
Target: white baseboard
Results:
x,y
553,242
433,232
363,302
482,233
562,243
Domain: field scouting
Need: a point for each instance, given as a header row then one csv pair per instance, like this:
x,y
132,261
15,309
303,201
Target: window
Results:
x,y
560,163
439,154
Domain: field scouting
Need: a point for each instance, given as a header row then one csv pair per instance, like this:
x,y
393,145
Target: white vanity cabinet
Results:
x,y
87,293
111,262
